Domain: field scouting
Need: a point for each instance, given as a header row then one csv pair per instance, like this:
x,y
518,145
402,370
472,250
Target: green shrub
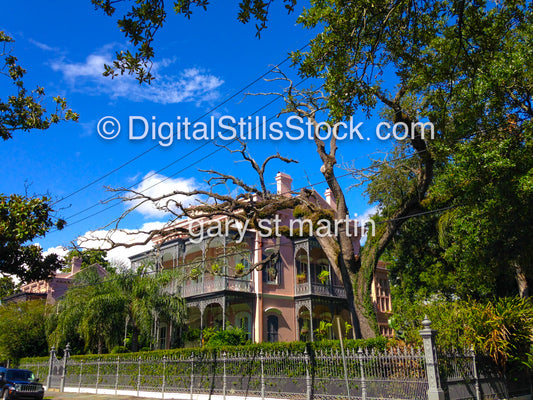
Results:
x,y
207,333
501,328
192,335
119,350
229,337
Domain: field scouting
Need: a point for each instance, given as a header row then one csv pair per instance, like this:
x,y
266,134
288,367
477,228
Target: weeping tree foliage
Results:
x,y
465,67
96,311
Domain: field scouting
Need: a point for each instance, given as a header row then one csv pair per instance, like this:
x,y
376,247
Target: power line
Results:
x,y
292,191
169,165
196,120
215,151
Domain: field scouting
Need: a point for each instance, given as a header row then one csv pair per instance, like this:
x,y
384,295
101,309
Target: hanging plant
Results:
x,y
239,269
216,269
195,272
323,277
301,278
322,331
305,328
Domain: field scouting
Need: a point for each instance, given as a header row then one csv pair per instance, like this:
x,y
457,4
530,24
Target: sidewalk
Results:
x,y
87,396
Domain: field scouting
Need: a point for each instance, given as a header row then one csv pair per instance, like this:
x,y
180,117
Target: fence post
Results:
x,y
97,374
435,391
308,382
474,370
262,359
117,375
79,381
362,369
138,375
50,367
192,374
64,372
224,376
164,383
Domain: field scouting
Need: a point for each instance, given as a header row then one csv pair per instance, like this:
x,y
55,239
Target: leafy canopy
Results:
x,y
23,219
24,110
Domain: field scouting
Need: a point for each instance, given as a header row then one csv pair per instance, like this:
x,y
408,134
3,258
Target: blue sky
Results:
x,y
199,63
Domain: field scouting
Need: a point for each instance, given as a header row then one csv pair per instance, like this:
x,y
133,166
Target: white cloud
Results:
x,y
370,212
365,217
93,68
43,46
156,185
189,85
59,250
120,255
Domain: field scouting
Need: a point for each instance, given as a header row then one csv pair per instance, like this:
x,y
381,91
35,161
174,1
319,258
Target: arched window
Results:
x,y
302,261
271,270
272,328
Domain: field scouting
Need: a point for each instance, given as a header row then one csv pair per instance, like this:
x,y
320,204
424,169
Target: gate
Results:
x,y
57,369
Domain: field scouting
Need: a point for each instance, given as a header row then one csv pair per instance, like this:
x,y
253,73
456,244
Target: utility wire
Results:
x,y
196,120
168,166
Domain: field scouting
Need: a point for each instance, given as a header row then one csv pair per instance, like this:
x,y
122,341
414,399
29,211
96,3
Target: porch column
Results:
x,y
311,318
224,313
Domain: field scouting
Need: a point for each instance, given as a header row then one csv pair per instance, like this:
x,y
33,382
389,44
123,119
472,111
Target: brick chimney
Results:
x,y
76,265
284,183
330,199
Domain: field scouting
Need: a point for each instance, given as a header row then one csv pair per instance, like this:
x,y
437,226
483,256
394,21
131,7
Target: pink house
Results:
x,y
56,287
285,301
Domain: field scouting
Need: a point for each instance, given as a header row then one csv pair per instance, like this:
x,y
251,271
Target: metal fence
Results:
x,y
398,374
467,375
323,374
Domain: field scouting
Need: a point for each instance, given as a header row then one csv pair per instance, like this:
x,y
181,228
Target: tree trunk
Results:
x,y
134,338
361,326
521,280
341,255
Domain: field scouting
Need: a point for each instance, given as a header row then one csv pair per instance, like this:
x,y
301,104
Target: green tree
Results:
x,y
88,258
148,301
450,65
23,219
22,330
7,286
24,110
90,313
97,311
141,23
499,328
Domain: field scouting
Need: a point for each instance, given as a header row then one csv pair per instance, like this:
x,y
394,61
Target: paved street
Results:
x,y
84,396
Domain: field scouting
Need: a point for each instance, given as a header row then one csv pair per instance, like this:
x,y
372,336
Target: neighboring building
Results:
x,y
23,296
56,286
382,299
282,302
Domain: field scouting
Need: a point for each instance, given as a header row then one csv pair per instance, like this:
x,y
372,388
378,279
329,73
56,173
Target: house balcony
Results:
x,y
218,284
326,290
